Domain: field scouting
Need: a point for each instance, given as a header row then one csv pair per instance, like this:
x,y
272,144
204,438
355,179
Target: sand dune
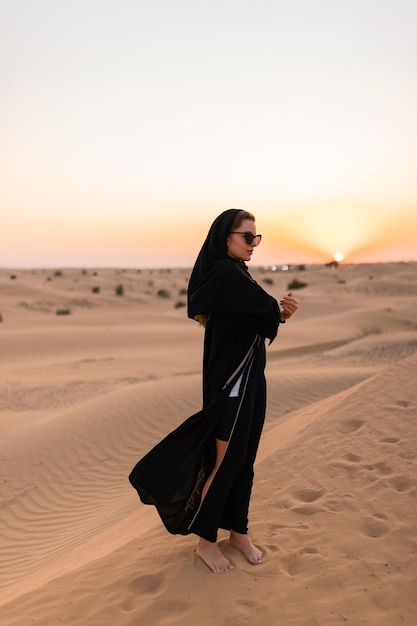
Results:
x,y
84,395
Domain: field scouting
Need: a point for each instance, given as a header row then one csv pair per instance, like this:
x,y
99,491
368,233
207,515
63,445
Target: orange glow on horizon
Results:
x,y
173,236
359,233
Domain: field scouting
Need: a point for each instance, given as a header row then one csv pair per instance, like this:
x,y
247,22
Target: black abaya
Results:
x,y
171,476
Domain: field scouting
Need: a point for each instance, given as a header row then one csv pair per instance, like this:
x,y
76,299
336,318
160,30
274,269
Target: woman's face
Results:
x,y
237,247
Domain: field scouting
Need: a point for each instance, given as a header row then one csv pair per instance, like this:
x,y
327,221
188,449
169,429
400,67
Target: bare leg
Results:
x,y
208,551
220,452
245,546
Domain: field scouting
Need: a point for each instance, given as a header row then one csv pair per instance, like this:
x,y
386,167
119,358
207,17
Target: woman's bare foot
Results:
x,y
246,547
209,552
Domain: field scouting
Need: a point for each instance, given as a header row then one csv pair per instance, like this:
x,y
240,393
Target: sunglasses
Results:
x,y
249,237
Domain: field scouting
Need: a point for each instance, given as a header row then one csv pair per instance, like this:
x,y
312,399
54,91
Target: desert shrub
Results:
x,y
296,284
179,304
48,278
1,317
182,291
95,273
119,290
268,281
58,273
63,312
300,268
163,293
84,272
150,283
13,277
341,281
95,289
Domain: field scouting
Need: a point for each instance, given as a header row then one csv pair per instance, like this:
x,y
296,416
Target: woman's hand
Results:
x,y
289,306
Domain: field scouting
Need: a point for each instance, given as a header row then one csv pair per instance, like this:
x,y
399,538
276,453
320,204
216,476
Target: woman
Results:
x,y
200,476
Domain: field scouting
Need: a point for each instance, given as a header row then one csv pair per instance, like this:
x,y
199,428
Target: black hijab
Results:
x,y
221,284
214,249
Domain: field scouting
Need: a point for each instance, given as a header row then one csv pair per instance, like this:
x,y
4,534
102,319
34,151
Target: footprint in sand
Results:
x,y
308,509
308,495
307,562
147,583
383,468
305,498
403,483
271,548
352,458
350,426
352,469
390,440
309,551
374,527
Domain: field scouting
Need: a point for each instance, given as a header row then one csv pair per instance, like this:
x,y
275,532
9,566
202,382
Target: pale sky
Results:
x,y
126,127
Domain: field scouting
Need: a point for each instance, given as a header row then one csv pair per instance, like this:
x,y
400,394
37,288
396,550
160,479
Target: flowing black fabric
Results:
x,y
241,315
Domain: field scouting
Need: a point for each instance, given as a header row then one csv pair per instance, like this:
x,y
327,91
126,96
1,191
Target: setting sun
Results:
x,y
338,256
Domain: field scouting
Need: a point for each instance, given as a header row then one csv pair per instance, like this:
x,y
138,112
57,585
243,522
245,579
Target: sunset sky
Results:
x,y
126,126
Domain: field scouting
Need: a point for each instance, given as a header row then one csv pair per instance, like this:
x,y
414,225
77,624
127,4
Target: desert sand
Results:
x,y
84,395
